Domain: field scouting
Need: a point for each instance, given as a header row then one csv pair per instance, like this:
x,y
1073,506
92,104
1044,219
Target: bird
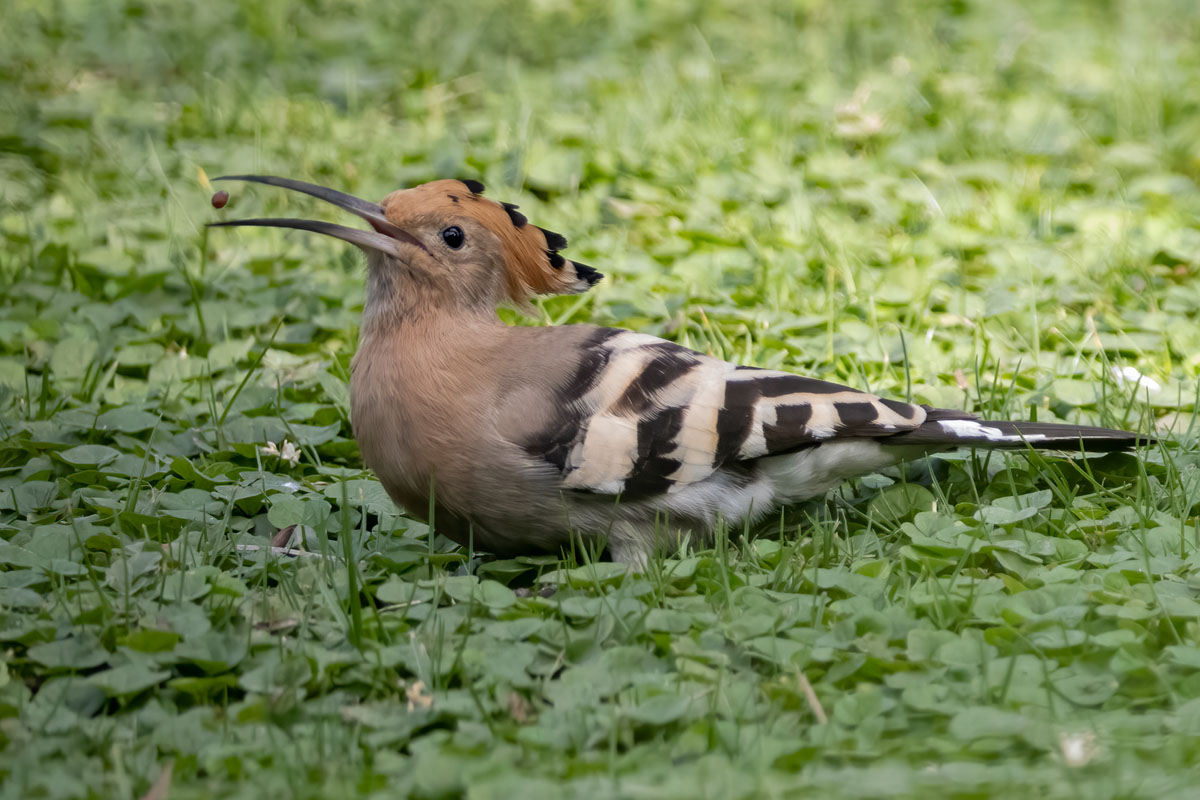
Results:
x,y
518,439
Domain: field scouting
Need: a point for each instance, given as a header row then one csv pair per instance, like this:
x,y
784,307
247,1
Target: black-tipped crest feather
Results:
x,y
589,274
554,241
519,220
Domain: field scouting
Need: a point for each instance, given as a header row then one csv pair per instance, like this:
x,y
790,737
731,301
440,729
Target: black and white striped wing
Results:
x,y
643,416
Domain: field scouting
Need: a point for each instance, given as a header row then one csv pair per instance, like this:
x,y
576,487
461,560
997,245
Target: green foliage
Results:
x,y
981,205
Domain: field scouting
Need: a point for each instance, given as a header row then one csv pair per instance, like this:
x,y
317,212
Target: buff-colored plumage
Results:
x,y
527,436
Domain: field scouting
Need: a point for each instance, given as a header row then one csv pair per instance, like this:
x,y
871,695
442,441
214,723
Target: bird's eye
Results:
x,y
453,237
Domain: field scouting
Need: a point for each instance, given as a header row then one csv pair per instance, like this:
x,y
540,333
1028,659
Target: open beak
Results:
x,y
385,238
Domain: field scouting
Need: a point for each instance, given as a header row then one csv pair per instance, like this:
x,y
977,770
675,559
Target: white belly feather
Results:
x,y
810,473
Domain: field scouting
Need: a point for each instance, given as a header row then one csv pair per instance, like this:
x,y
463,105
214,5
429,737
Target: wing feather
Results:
x,y
643,416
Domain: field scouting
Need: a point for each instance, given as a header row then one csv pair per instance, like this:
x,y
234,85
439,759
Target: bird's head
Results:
x,y
443,244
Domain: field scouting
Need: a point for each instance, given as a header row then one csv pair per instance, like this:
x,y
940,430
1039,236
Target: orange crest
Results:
x,y
531,256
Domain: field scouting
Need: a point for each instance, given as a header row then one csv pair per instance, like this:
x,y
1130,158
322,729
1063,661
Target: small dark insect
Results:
x,y
220,199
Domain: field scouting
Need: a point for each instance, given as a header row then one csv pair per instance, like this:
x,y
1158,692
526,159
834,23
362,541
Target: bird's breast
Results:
x,y
382,416
418,411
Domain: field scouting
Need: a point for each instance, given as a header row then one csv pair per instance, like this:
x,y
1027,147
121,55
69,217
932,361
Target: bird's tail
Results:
x,y
949,428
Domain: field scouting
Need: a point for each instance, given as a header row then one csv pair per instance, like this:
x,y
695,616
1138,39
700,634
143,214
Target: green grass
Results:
x,y
979,205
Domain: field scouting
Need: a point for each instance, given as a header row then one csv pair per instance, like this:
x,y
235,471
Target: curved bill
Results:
x,y
368,240
371,212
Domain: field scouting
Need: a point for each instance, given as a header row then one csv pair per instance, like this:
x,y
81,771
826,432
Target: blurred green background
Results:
x,y
987,205
952,163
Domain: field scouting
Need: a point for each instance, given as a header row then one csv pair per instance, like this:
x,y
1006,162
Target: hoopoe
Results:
x,y
527,436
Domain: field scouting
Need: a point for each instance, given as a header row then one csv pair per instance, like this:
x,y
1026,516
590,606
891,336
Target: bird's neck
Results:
x,y
410,303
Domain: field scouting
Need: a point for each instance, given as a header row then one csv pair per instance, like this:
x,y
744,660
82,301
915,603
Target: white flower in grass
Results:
x,y
286,451
418,696
290,453
852,120
1077,748
1132,375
